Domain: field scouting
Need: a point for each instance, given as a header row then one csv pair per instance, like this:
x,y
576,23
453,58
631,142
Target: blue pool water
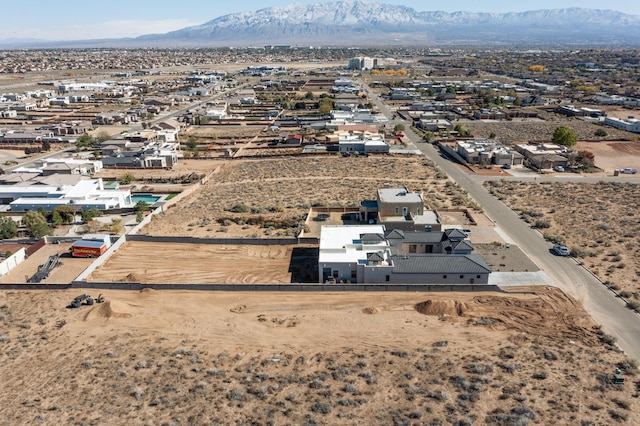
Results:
x,y
147,198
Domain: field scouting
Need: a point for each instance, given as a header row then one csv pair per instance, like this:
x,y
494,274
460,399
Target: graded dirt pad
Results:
x,y
70,268
179,357
197,263
612,155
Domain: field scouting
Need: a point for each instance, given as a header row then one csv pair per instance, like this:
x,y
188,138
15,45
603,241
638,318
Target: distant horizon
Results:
x,y
72,20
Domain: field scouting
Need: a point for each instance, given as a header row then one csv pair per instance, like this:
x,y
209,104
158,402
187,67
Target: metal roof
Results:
x,y
440,264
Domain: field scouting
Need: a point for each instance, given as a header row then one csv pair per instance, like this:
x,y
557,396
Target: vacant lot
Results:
x,y
613,155
367,358
269,197
197,263
600,223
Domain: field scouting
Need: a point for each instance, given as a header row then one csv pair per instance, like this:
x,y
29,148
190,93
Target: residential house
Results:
x,y
365,254
397,208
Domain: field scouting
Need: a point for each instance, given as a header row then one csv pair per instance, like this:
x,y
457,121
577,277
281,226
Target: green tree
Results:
x,y
309,96
564,136
36,224
127,178
8,228
89,215
46,145
56,219
39,230
398,128
67,214
192,143
428,137
325,106
141,206
32,218
84,141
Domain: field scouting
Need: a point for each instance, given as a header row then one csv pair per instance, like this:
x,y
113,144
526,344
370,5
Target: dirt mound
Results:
x,y
371,310
442,307
108,310
147,290
132,277
238,309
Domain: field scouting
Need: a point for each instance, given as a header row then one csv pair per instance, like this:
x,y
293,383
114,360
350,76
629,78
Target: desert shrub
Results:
x,y
556,239
479,368
628,366
437,395
399,353
540,375
321,408
619,416
550,356
621,403
236,395
349,388
632,304
240,208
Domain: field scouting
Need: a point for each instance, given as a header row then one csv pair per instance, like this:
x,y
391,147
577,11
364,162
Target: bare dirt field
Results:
x,y
67,272
350,358
612,155
539,130
199,263
598,222
269,197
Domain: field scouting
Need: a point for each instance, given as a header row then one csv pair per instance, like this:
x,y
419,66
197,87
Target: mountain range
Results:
x,y
364,23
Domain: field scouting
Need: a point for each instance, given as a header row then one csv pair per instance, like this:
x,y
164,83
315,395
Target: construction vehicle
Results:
x,y
85,299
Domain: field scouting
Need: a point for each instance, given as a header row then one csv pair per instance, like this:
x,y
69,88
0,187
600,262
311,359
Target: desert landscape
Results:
x,y
172,358
270,197
598,222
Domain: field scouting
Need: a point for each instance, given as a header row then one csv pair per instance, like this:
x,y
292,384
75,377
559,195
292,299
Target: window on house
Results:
x,y
387,278
353,275
412,248
478,276
461,276
444,277
397,211
335,274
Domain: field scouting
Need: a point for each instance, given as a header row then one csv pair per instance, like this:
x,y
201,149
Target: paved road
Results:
x,y
565,272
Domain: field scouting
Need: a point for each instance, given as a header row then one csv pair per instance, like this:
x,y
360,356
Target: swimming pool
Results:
x,y
147,198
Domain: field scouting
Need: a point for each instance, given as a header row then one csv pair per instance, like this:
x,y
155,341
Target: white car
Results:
x,y
560,250
559,169
629,171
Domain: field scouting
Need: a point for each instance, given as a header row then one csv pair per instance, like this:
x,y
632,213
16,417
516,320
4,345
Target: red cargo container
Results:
x,y
88,248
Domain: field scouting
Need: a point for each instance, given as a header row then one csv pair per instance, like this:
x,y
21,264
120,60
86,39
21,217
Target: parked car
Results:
x,y
629,171
559,169
560,250
506,166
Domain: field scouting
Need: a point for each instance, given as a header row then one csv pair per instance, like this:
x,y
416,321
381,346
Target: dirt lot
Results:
x,y
199,263
276,193
367,358
613,155
598,222
67,272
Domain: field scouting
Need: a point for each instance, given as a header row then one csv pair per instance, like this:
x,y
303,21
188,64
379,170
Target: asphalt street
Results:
x,y
566,273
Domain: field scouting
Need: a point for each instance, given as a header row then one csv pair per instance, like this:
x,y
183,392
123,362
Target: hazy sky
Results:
x,y
90,19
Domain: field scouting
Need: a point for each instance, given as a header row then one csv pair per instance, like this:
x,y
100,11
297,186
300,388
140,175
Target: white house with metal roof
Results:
x,y
367,254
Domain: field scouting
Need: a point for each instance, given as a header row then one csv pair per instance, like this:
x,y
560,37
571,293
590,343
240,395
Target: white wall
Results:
x,y
12,261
